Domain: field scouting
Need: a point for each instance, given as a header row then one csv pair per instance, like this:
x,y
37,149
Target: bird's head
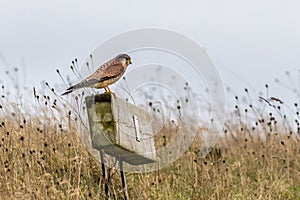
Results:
x,y
124,59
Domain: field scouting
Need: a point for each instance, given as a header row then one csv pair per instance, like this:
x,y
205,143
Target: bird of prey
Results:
x,y
106,74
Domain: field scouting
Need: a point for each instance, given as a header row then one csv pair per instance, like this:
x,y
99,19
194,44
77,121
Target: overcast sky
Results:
x,y
251,42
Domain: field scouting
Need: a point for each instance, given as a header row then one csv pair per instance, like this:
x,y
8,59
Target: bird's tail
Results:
x,y
68,91
84,83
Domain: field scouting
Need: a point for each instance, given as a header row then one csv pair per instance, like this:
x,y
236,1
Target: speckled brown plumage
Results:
x,y
105,75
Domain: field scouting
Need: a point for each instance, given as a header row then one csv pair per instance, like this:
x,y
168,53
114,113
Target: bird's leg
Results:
x,y
107,90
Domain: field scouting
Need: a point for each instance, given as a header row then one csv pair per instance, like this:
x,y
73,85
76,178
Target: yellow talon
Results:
x,y
107,90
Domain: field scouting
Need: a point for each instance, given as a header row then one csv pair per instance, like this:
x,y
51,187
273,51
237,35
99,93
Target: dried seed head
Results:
x,y
267,86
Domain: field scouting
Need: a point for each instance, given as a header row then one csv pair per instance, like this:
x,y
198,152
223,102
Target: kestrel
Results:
x,y
105,75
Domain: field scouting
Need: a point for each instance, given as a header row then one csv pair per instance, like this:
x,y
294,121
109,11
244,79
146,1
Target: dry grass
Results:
x,y
42,158
51,163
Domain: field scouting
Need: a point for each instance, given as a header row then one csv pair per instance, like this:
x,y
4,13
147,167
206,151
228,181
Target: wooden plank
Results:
x,y
112,129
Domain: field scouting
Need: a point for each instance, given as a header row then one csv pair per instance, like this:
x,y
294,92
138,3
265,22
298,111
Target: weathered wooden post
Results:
x,y
121,130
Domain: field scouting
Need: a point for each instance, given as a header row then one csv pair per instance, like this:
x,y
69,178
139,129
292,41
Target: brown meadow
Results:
x,y
42,157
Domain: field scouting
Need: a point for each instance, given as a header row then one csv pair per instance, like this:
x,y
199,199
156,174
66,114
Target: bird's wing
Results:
x,y
107,71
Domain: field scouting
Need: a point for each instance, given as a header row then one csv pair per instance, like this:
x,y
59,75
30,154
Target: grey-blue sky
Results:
x,y
250,41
